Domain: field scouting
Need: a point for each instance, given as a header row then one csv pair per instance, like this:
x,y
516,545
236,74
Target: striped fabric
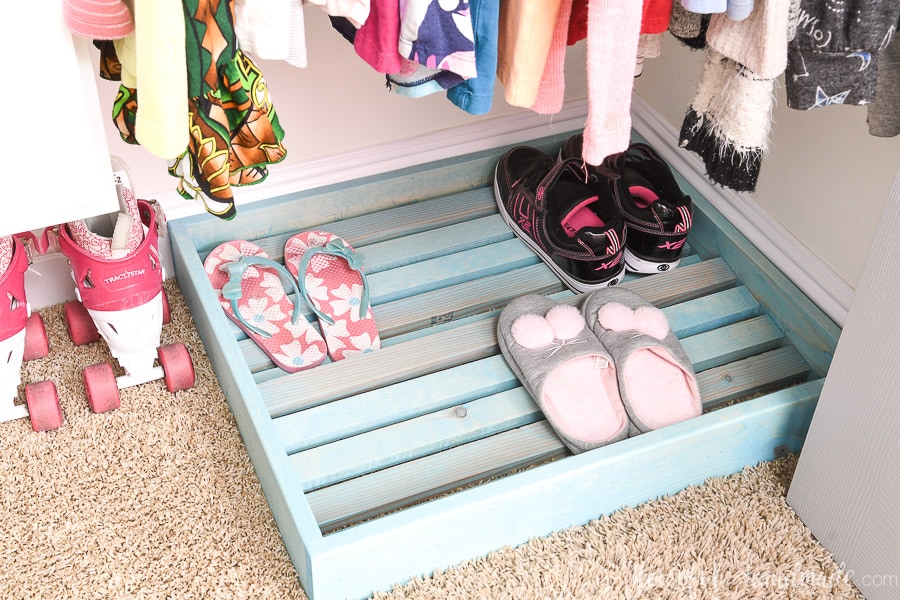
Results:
x,y
98,19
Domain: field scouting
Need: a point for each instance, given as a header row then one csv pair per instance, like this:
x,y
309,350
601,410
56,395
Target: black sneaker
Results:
x,y
577,230
658,214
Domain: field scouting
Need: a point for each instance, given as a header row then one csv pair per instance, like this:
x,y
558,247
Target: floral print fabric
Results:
x,y
265,305
337,290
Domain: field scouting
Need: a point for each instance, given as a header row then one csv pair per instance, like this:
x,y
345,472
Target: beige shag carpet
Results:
x,y
158,499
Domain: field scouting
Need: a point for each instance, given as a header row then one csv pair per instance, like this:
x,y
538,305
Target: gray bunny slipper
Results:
x,y
566,370
656,380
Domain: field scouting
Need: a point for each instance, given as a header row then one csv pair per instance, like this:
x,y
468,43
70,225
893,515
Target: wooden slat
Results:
x,y
387,366
426,477
708,312
394,403
390,404
387,446
420,479
400,221
291,392
322,207
429,275
733,342
418,437
442,306
766,371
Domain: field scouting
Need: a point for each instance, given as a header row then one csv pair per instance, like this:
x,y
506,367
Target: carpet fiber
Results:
x,y
158,499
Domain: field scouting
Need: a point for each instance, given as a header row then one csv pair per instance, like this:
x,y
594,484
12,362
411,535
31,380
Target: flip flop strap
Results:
x,y
233,291
337,248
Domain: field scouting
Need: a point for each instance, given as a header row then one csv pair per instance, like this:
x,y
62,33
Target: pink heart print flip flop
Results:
x,y
330,276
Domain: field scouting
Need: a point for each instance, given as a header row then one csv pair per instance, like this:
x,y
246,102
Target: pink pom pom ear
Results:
x,y
532,331
566,321
616,316
651,321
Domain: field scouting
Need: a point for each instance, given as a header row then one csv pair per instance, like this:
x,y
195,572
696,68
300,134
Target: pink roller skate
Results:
x,y
118,280
22,337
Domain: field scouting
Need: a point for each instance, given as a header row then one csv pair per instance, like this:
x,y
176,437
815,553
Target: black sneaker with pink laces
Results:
x,y
577,230
658,215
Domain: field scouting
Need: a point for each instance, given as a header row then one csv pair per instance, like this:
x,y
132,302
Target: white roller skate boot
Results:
x,y
22,337
118,281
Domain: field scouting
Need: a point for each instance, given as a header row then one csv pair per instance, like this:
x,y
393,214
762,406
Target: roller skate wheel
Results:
x,y
165,305
82,329
100,386
43,405
36,343
178,368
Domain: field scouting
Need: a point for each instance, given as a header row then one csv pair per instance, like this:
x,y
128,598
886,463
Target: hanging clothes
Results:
x,y
437,43
524,39
376,41
613,32
833,57
729,119
736,10
234,130
476,94
883,114
146,56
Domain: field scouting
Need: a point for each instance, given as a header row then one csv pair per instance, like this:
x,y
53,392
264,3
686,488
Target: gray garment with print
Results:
x,y
832,58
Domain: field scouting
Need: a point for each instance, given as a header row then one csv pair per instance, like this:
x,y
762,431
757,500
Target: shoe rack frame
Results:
x,y
428,452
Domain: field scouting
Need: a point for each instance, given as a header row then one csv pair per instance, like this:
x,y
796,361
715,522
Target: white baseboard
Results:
x,y
48,286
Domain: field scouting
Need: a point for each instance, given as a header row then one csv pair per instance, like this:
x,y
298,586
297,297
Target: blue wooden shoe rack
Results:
x,y
428,452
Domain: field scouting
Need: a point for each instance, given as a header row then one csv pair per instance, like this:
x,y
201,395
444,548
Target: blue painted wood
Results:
x,y
434,432
806,326
371,229
443,215
418,480
767,371
563,493
426,477
289,507
389,404
407,318
429,275
394,403
732,342
472,421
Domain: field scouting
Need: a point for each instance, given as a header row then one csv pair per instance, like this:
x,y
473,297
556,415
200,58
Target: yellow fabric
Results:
x,y
154,63
524,38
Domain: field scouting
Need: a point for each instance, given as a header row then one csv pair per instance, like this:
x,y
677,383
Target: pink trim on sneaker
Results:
x,y
336,290
580,217
643,196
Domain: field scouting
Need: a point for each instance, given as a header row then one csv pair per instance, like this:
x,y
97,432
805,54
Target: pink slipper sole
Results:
x,y
251,293
329,273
